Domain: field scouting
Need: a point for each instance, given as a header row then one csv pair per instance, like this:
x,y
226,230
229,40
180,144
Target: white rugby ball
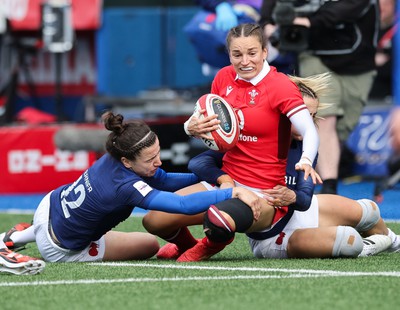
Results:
x,y
227,134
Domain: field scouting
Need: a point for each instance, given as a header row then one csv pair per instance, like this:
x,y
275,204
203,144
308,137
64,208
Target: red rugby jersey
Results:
x,y
259,158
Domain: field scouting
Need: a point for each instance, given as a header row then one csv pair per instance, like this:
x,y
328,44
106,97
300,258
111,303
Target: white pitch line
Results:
x,y
305,271
109,281
292,273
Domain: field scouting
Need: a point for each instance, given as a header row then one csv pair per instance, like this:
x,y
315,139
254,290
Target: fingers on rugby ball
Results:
x,y
227,134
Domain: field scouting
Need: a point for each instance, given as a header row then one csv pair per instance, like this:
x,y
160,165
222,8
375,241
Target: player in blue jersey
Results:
x,y
173,227
315,226
74,222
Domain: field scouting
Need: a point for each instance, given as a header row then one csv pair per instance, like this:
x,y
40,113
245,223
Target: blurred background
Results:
x,y
63,62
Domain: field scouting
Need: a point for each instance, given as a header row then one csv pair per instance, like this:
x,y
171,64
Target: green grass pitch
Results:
x,y
231,280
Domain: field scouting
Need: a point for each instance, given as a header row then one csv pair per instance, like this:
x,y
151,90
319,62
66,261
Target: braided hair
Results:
x,y
126,139
246,30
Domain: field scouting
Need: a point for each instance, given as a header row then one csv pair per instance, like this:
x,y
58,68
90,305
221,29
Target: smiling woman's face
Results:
x,y
247,56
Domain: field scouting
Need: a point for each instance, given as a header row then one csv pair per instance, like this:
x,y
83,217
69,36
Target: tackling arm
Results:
x,y
207,166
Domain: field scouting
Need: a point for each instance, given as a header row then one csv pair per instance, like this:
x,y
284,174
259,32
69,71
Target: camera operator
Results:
x,y
338,36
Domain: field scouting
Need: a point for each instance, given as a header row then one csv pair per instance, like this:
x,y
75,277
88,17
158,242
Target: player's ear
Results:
x,y
265,53
126,162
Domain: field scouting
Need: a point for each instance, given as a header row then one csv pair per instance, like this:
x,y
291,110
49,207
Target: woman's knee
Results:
x,y
370,215
348,242
149,222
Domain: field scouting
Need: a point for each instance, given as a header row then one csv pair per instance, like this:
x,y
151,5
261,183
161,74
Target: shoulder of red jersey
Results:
x,y
279,77
225,76
284,93
226,72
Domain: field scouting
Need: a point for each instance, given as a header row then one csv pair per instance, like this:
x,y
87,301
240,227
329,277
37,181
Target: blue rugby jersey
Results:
x,y
106,193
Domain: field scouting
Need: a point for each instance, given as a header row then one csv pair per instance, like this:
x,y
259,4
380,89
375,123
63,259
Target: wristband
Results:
x,y
186,124
185,127
304,161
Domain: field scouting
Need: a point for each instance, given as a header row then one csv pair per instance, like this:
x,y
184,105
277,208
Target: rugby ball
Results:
x,y
227,134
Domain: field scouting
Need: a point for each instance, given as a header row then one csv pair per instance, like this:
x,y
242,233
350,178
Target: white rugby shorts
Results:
x,y
50,251
276,247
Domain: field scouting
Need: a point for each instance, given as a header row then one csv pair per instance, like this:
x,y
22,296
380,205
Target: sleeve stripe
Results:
x,y
296,110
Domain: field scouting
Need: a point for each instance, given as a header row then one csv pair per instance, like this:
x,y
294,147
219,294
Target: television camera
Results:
x,y
289,37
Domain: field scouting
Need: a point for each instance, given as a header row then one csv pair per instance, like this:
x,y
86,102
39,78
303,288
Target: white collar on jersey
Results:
x,y
255,80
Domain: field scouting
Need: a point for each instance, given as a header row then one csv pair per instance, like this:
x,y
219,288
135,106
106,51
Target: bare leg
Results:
x,y
323,242
379,229
334,211
173,227
129,246
337,210
329,150
165,224
312,243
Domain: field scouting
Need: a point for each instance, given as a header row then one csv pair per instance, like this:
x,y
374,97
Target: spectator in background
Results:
x,y
227,17
341,40
208,29
227,12
382,87
389,15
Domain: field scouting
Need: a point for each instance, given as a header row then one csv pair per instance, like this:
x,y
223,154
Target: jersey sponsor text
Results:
x,y
245,138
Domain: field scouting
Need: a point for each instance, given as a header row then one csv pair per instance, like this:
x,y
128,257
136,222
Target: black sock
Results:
x,y
329,186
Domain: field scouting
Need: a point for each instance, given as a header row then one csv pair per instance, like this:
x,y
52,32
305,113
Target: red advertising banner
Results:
x,y
31,163
26,14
